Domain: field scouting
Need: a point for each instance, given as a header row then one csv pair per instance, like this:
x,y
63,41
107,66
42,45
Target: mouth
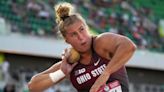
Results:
x,y
82,44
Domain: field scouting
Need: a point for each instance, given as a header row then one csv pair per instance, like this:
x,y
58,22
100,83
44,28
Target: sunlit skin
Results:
x,y
116,48
78,36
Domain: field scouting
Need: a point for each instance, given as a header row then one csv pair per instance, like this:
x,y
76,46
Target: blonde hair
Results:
x,y
65,16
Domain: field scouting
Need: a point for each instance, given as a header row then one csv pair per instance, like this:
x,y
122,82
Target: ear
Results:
x,y
66,41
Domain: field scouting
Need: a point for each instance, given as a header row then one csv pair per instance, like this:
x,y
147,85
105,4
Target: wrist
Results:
x,y
106,73
57,75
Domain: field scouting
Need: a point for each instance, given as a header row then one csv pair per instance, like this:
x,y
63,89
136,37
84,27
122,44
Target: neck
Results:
x,y
86,57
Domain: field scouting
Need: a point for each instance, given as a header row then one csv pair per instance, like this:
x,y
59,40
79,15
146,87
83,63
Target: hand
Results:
x,y
101,80
65,66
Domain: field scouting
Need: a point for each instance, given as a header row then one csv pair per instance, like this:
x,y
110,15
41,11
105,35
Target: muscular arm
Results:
x,y
118,49
122,49
42,81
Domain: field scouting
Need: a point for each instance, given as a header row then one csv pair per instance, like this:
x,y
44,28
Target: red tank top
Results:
x,y
83,76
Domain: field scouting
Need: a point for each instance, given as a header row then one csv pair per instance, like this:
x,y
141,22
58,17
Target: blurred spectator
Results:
x,y
43,14
140,41
161,30
113,24
124,17
9,88
33,6
5,70
106,3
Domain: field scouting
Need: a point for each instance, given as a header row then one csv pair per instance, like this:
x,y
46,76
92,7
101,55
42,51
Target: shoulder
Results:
x,y
103,43
106,43
107,37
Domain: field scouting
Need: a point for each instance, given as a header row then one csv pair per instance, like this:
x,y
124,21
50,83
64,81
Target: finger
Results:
x,y
62,56
74,64
67,52
64,59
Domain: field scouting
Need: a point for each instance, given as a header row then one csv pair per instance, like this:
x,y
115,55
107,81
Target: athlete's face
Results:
x,y
78,36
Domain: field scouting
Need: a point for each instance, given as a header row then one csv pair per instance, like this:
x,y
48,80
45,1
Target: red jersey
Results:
x,y
83,76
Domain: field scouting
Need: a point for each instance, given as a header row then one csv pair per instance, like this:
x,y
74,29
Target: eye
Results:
x,y
73,34
81,29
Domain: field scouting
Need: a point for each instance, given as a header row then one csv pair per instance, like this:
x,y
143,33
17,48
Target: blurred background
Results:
x,y
30,42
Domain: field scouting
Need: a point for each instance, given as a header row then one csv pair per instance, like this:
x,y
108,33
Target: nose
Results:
x,y
80,37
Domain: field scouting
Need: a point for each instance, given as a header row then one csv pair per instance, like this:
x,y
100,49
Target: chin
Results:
x,y
84,50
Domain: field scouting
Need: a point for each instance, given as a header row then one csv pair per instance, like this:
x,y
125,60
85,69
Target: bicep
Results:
x,y
119,43
108,42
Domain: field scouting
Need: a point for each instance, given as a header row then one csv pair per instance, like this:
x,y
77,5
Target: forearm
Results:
x,y
39,83
122,54
42,81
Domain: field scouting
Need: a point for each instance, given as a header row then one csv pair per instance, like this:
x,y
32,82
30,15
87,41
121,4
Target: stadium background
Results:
x,y
30,42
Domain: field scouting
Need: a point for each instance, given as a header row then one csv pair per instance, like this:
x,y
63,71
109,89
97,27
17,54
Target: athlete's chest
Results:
x,y
83,75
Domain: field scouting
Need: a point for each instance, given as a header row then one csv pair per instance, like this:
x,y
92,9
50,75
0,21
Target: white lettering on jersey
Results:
x,y
83,78
87,76
98,71
80,71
